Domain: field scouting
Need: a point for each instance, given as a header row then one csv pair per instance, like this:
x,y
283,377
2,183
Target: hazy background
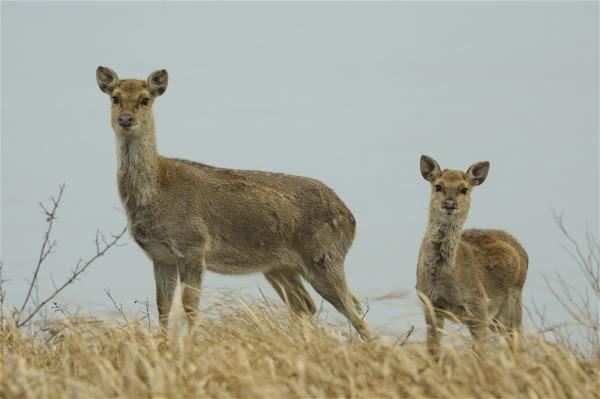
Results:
x,y
351,94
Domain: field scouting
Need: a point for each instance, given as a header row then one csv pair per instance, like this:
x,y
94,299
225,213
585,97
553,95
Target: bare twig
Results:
x,y
47,245
367,308
580,305
539,319
146,312
57,308
119,307
320,311
76,272
588,263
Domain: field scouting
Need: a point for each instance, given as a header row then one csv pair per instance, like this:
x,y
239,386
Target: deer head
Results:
x,y
451,189
132,100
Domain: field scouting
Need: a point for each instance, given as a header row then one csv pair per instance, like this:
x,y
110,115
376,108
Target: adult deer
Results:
x,y
189,217
475,275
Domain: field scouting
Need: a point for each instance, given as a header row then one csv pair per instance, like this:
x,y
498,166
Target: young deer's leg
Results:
x,y
435,324
190,274
329,281
516,323
290,289
478,325
510,316
165,276
517,315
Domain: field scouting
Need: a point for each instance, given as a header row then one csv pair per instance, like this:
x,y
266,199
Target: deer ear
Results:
x,y
429,168
157,82
107,79
478,172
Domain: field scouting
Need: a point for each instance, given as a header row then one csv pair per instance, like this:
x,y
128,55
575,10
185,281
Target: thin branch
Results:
x,y
580,304
367,308
79,269
58,308
47,244
146,304
119,307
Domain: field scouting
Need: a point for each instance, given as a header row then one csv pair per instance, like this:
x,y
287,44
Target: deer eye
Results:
x,y
438,187
463,190
145,101
115,100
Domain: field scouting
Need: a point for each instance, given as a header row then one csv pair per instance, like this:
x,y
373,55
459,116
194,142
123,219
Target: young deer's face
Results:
x,y
131,110
451,189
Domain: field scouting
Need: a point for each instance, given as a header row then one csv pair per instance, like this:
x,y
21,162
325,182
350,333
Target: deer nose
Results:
x,y
449,204
125,120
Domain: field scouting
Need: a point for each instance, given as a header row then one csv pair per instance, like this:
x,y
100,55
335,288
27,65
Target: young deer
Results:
x,y
188,217
475,275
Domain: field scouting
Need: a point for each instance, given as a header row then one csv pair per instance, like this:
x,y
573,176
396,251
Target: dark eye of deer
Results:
x,y
115,100
438,187
145,101
463,190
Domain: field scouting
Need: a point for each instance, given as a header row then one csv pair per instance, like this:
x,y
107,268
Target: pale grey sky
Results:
x,y
349,93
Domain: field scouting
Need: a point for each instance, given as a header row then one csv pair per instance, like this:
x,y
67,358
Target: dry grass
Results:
x,y
260,351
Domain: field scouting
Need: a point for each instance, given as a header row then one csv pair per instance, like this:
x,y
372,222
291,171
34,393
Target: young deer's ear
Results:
x,y
478,172
157,82
107,79
429,168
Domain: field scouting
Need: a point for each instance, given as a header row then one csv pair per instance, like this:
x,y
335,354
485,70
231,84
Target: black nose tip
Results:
x,y
449,204
125,120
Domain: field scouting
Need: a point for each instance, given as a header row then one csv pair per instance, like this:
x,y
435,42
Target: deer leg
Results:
x,y
290,289
330,282
510,316
190,274
478,325
165,277
435,325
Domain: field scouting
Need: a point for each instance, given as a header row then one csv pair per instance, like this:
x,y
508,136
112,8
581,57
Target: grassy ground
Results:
x,y
260,351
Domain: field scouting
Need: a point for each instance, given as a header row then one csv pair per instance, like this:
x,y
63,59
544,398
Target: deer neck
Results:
x,y
137,169
441,243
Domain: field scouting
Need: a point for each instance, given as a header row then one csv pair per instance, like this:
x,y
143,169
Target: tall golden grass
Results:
x,y
259,350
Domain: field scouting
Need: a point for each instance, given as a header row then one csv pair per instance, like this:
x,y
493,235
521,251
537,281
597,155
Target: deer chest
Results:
x,y
438,288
